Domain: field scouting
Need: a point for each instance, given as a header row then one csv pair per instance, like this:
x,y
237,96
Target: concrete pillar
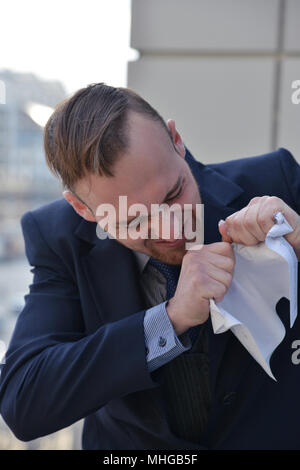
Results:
x,y
223,70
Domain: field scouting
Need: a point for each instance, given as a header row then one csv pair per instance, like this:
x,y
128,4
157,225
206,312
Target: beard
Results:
x,y
172,255
168,255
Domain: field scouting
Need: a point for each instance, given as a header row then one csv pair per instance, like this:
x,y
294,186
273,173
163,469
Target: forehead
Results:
x,y
144,174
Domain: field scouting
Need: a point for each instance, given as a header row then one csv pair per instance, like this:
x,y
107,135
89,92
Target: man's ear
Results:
x,y
78,206
177,141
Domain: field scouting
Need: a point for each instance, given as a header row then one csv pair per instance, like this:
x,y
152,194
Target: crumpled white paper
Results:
x,y
263,274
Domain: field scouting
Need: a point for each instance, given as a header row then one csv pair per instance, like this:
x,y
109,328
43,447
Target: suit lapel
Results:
x,y
112,275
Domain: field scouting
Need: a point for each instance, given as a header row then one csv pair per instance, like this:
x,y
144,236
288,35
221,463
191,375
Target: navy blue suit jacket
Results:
x,y
78,348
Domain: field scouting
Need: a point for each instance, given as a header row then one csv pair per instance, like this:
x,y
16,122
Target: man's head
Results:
x,y
106,142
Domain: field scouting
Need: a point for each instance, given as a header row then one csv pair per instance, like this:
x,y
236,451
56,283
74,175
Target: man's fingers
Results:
x,y
237,229
224,232
247,226
222,248
222,262
255,200
251,222
217,274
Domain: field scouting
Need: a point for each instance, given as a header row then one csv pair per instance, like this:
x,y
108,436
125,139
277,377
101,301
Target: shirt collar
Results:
x,y
142,259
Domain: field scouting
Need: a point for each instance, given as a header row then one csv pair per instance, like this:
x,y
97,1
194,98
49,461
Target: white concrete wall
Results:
x,y
223,70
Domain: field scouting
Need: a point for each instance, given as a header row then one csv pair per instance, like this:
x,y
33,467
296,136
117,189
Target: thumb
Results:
x,y
223,232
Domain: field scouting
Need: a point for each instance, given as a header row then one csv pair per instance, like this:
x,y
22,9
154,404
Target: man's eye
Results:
x,y
175,196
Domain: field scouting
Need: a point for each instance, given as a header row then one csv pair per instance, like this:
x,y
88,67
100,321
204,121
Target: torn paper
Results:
x,y
263,274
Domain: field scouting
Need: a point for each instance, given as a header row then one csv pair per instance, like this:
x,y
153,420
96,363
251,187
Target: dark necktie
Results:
x,y
171,274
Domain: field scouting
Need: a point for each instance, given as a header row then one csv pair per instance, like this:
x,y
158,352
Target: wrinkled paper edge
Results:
x,y
222,320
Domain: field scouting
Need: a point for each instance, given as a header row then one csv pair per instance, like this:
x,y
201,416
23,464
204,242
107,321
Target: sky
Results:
x,y
75,42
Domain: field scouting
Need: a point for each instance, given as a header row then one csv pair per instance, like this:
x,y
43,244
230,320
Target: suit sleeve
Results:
x,y
291,171
162,342
54,374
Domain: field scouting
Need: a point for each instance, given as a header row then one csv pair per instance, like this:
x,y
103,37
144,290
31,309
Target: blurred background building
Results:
x,y
25,180
223,69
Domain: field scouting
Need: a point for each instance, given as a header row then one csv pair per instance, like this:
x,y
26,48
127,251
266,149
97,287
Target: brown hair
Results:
x,y
88,131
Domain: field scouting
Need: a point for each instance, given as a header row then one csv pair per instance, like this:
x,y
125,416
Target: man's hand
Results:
x,y
206,273
250,225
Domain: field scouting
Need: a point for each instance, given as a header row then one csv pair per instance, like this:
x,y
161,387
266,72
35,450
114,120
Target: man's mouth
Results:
x,y
171,244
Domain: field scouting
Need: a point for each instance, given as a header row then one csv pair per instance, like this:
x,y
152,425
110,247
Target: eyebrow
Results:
x,y
171,192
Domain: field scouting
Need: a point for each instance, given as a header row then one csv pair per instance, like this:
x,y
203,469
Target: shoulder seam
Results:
x,y
29,213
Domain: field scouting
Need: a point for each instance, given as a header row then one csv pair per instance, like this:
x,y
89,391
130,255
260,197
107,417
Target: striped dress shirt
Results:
x,y
161,340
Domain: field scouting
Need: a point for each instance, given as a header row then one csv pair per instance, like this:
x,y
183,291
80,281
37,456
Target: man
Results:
x,y
117,330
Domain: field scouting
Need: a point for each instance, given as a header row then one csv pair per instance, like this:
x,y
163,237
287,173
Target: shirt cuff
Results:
x,y
162,343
